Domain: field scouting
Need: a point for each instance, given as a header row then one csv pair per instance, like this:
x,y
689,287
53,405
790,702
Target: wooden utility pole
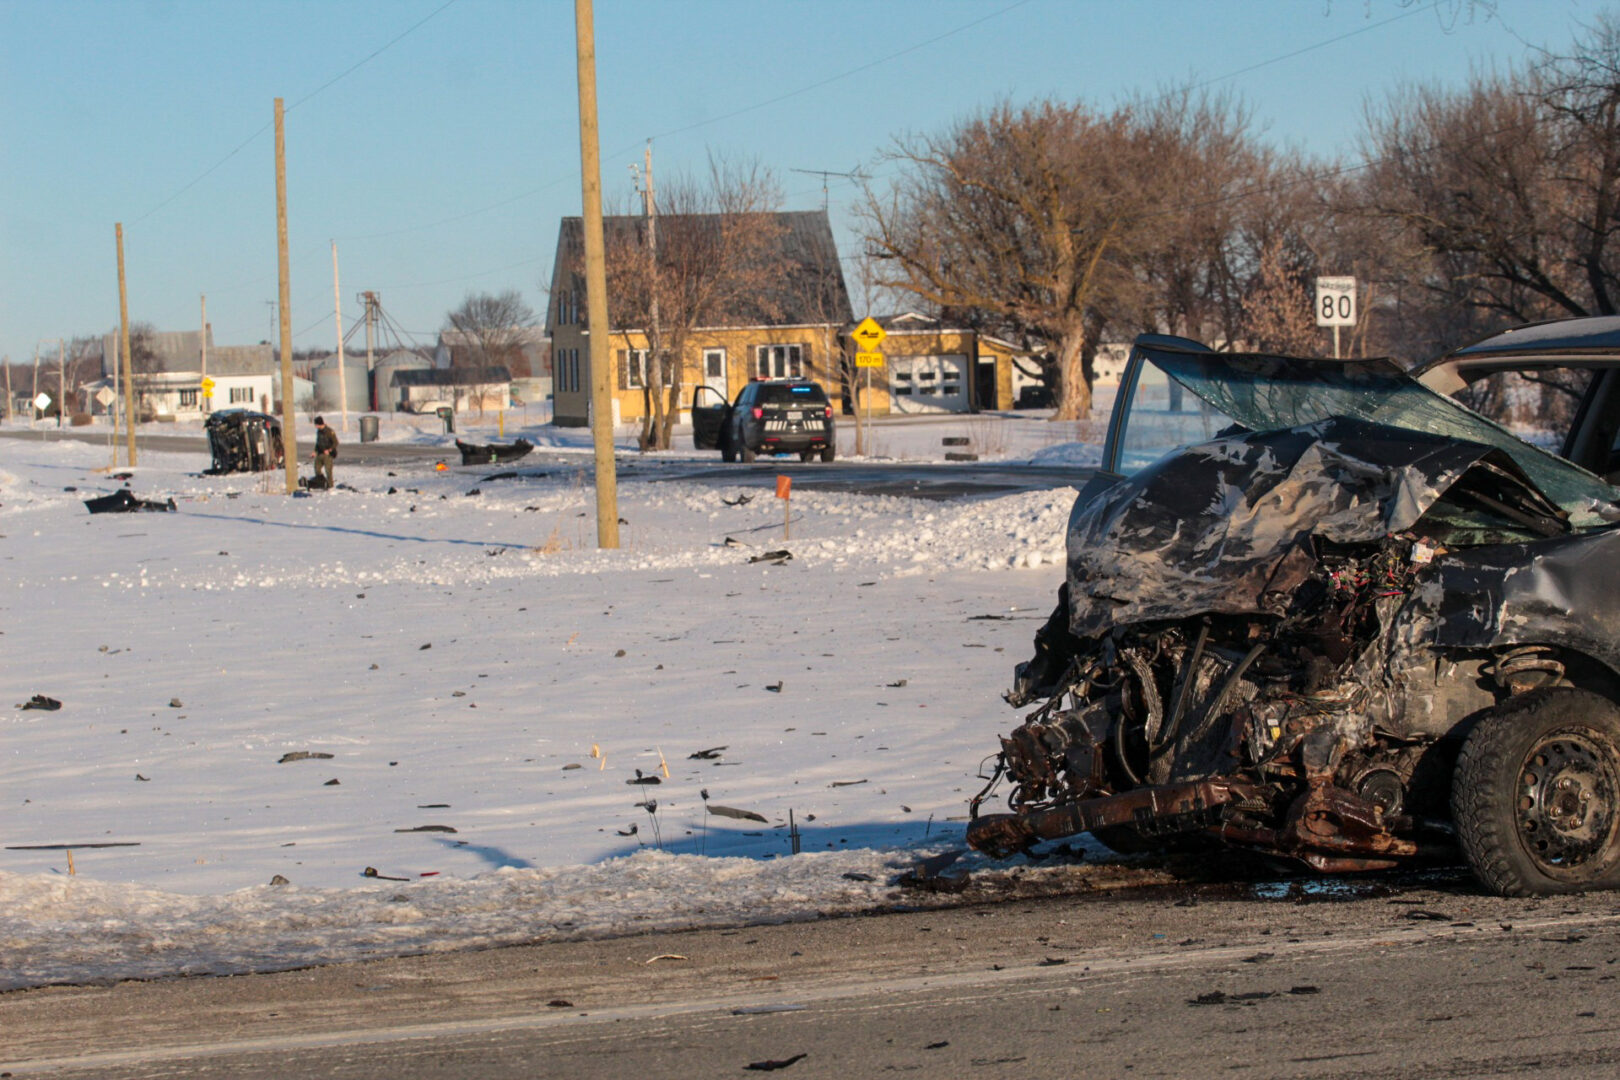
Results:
x,y
370,300
7,363
337,319
207,396
123,347
33,401
607,494
61,378
289,429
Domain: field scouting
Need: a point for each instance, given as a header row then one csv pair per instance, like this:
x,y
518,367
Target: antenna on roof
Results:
x,y
856,174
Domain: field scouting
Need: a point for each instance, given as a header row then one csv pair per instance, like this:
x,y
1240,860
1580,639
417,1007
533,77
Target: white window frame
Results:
x,y
190,399
635,369
241,395
779,361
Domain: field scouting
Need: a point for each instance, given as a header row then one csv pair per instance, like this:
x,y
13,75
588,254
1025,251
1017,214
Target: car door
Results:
x,y
709,410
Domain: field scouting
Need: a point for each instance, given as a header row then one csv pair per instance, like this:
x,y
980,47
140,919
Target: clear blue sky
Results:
x,y
443,163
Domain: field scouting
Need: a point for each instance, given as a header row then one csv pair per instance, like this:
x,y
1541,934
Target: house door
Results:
x,y
714,372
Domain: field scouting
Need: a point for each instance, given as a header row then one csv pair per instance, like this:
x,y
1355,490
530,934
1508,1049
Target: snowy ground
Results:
x,y
477,688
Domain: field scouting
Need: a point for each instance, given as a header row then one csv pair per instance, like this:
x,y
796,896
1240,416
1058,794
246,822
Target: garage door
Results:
x,y
923,384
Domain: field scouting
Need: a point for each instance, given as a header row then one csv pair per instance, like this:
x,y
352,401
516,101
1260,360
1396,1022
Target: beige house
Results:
x,y
800,337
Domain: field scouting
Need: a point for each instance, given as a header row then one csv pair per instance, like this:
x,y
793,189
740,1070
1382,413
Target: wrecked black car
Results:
x,y
1353,624
243,441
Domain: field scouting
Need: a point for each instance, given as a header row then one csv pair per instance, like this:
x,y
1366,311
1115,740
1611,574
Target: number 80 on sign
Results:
x,y
1335,301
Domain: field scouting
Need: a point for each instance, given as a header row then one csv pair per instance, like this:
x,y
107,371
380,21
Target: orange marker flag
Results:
x,y
784,487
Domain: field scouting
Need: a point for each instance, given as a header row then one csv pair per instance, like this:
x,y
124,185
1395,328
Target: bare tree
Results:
x,y
1512,184
1030,222
144,365
1277,314
493,326
712,254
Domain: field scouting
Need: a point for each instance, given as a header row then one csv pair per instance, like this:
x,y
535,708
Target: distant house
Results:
x,y
168,384
463,389
794,332
528,357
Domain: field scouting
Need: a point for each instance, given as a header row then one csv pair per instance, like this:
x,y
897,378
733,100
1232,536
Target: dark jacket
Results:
x,y
326,440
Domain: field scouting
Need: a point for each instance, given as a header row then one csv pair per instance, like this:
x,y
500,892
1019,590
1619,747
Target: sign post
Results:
x,y
207,386
868,336
1335,305
784,491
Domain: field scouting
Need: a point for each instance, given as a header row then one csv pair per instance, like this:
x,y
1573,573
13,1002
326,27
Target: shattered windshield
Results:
x,y
1268,393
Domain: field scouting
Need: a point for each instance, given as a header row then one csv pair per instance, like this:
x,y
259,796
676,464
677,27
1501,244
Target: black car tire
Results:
x,y
1536,794
806,455
828,452
746,453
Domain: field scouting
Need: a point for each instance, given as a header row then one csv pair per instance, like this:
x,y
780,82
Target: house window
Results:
x,y
573,370
188,398
241,395
779,362
635,368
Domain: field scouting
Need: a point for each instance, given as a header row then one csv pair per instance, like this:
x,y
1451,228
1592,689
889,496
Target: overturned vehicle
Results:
x,y
1325,611
241,440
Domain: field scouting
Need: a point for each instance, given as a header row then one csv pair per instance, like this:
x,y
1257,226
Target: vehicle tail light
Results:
x,y
828,413
759,413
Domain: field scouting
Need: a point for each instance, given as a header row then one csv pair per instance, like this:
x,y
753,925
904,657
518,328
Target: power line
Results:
x,y
350,70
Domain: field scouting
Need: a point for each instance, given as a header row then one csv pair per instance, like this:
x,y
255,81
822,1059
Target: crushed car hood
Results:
x,y
1233,526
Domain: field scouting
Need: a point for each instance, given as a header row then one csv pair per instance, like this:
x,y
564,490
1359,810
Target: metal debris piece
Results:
x,y
772,1066
123,502
40,701
733,812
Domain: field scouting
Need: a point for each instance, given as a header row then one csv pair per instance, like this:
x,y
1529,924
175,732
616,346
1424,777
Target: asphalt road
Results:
x,y
911,479
1412,980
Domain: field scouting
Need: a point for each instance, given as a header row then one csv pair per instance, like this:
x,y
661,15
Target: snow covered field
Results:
x,y
424,704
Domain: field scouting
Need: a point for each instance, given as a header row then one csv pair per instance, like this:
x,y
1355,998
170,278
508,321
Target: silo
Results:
x,y
387,396
328,387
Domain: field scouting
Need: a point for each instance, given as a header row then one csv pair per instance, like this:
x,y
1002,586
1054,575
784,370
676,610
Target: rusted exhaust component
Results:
x,y
1156,809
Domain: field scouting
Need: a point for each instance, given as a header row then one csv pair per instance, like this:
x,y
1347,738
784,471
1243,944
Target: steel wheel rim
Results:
x,y
1565,804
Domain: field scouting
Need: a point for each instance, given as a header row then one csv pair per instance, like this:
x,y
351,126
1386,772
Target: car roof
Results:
x,y
1592,339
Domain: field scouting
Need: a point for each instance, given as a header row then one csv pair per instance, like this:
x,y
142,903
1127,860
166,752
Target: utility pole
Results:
x,y
289,429
61,379
7,363
607,481
337,319
653,376
370,299
207,397
33,407
123,340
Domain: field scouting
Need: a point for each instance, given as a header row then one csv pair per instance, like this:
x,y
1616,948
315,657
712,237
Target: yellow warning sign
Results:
x,y
869,335
868,359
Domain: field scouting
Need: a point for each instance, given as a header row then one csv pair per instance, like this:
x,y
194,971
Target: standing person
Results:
x,y
326,446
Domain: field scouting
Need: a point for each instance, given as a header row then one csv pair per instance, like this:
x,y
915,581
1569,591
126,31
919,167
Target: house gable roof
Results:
x,y
812,292
485,376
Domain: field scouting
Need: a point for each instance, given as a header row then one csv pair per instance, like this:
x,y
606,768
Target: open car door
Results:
x,y
709,412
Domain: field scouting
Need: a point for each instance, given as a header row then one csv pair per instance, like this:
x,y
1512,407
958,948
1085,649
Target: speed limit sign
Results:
x,y
1335,301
